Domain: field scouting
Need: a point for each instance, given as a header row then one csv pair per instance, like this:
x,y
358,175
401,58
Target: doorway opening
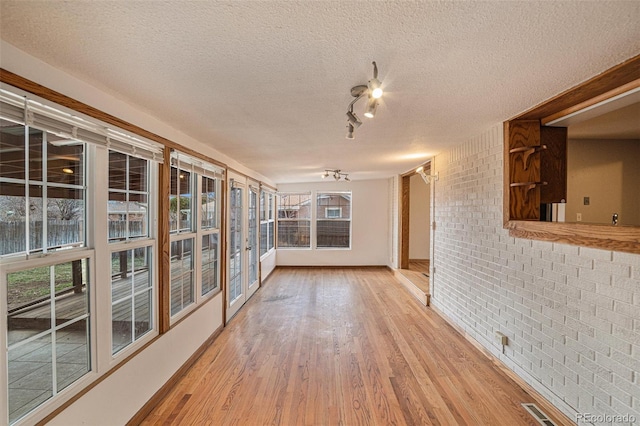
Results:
x,y
415,255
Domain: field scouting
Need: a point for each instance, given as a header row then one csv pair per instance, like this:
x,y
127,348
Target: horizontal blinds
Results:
x,y
196,165
22,110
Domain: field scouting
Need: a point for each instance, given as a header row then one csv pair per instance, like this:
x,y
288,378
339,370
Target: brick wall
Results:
x,y
572,314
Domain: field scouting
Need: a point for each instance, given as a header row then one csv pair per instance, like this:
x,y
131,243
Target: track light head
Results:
x,y
350,131
375,89
372,106
353,119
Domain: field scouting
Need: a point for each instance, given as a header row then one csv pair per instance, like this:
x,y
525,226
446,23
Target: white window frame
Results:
x,y
198,169
97,137
310,219
269,201
317,195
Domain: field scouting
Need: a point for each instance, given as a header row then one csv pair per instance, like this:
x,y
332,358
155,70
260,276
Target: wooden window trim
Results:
x,y
608,237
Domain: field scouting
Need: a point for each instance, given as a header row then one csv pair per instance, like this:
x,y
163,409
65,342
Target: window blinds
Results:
x,y
188,163
22,109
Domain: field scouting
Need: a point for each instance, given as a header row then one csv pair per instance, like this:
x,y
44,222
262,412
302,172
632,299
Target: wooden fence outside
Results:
x,y
59,233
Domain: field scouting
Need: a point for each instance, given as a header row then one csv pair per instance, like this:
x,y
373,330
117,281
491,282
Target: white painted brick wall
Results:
x,y
572,314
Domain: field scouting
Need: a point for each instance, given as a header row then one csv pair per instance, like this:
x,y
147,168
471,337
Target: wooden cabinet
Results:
x,y
537,167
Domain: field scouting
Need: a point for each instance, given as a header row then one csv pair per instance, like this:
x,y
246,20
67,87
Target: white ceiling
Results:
x,y
267,82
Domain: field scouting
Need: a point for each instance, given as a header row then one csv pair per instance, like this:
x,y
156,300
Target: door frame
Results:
x,y
405,208
252,287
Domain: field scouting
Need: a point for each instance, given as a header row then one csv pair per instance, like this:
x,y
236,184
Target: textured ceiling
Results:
x,y
268,82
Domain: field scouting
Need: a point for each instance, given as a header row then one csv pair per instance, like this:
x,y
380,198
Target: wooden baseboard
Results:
x,y
544,404
412,288
166,388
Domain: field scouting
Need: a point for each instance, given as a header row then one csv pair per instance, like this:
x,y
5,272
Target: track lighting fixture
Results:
x,y
337,175
373,91
427,178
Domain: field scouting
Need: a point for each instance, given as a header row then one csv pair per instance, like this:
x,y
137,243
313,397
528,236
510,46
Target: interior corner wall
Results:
x,y
571,314
419,232
369,226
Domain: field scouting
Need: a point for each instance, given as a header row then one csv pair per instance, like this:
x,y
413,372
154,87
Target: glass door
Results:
x,y
253,250
236,294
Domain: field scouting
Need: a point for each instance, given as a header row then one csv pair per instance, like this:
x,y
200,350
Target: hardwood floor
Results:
x,y
341,346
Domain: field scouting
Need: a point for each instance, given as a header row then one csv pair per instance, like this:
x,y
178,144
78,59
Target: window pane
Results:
x,y
138,174
333,233
180,200
65,163
208,203
35,218
65,217
143,311
128,206
34,377
121,321
72,299
12,145
28,297
117,171
209,263
181,275
294,233
72,353
264,229
30,376
271,241
13,211
35,155
294,206
131,296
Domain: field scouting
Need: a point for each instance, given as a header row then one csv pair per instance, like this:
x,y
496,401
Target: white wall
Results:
x,y
119,397
571,314
369,227
267,265
420,233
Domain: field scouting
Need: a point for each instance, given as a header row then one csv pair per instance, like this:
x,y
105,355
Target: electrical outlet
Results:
x,y
501,338
578,217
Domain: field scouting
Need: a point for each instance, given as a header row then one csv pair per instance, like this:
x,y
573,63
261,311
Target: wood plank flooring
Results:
x,y
341,347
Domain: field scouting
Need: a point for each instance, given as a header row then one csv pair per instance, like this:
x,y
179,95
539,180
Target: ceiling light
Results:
x,y
350,131
373,91
372,106
337,175
67,170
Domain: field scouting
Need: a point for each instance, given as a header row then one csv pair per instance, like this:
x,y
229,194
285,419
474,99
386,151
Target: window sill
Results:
x,y
605,237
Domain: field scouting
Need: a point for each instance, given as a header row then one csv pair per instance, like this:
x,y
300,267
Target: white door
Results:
x,y
236,277
243,250
253,249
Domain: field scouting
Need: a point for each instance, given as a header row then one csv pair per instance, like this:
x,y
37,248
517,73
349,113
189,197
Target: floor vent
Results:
x,y
537,413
